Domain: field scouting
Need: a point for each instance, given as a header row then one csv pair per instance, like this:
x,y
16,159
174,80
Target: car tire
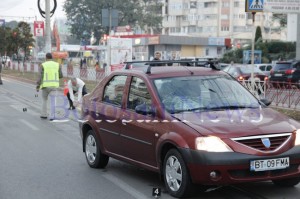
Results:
x,y
290,182
176,176
95,158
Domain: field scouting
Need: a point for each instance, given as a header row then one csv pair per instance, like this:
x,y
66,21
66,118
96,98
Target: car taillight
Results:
x,y
266,78
289,72
240,78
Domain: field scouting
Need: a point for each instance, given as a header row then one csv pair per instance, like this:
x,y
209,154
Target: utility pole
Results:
x,y
252,51
298,38
48,28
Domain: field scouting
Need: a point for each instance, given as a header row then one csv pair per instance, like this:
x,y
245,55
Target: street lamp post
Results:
x,y
48,28
252,52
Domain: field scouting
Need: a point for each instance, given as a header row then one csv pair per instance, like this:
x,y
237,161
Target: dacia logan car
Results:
x,y
192,125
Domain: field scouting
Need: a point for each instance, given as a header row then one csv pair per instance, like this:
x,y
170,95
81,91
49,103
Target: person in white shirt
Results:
x,y
75,85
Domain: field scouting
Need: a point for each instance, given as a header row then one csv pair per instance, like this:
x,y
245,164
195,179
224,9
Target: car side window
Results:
x,y
233,71
113,91
269,67
262,68
138,94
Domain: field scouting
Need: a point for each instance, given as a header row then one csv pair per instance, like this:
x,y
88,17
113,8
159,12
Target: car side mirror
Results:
x,y
266,101
145,109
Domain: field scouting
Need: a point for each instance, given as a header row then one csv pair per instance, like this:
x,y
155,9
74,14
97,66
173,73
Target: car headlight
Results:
x,y
212,144
297,141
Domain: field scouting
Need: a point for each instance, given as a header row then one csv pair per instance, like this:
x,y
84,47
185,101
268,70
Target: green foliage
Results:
x,y
84,17
14,37
282,19
270,51
258,34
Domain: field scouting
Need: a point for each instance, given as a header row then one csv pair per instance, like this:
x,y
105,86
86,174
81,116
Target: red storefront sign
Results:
x,y
38,27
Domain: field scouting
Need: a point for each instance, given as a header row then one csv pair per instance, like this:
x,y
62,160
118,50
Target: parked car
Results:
x,y
265,68
243,72
286,71
192,125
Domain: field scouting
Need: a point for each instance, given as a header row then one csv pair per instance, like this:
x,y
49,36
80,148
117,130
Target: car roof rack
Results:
x,y
162,63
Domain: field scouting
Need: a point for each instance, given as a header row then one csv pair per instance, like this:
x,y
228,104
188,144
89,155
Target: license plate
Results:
x,y
277,75
270,164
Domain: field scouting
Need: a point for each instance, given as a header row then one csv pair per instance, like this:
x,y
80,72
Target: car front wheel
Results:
x,y
176,176
95,158
291,182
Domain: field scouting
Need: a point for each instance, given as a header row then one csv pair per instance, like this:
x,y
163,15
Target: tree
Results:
x,y
258,34
14,37
282,19
85,16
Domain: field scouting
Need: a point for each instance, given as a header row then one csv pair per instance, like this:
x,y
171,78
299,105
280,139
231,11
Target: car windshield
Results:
x,y
248,70
282,66
202,93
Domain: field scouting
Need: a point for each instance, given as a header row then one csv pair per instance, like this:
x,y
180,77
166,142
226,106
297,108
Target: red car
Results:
x,y
192,125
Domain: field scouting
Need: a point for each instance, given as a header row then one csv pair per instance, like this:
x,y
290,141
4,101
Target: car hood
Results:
x,y
238,123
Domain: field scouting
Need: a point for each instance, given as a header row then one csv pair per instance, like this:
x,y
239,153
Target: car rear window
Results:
x,y
248,70
282,66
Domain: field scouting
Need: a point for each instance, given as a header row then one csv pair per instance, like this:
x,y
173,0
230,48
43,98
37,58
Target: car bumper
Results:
x,y
232,167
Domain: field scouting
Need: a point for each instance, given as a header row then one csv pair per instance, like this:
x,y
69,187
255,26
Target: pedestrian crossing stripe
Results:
x,y
256,4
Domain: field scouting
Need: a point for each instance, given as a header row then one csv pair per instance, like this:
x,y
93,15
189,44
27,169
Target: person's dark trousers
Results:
x,y
84,92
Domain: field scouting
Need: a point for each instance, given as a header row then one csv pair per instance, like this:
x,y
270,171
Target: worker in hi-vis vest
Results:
x,y
48,81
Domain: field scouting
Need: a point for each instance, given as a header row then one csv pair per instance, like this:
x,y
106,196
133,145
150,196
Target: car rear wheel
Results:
x,y
176,176
291,182
95,158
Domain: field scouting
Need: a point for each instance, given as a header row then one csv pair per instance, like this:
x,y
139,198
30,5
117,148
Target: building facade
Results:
x,y
217,18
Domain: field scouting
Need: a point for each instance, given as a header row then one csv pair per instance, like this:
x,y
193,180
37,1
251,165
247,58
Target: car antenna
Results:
x,y
192,73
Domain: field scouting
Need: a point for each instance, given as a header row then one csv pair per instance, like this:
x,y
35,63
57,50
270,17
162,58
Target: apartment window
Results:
x,y
219,50
225,4
209,29
210,16
236,4
193,4
191,29
199,29
210,4
225,28
185,6
200,5
249,15
192,17
175,6
241,16
206,51
225,17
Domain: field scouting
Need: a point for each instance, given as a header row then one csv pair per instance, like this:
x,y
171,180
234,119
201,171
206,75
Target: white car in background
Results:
x,y
265,68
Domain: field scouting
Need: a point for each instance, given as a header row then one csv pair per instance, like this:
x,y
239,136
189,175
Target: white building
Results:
x,y
216,18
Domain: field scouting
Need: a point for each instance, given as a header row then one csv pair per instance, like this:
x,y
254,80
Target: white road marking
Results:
x,y
59,121
33,127
123,185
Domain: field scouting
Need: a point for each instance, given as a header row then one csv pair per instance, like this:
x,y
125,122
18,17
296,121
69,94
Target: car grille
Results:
x,y
272,142
239,174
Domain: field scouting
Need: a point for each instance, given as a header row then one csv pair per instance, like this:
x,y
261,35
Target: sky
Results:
x,y
20,10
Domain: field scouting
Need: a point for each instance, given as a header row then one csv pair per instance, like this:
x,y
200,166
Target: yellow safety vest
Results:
x,y
51,74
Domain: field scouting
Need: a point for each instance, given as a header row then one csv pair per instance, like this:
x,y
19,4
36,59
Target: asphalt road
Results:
x,y
44,159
